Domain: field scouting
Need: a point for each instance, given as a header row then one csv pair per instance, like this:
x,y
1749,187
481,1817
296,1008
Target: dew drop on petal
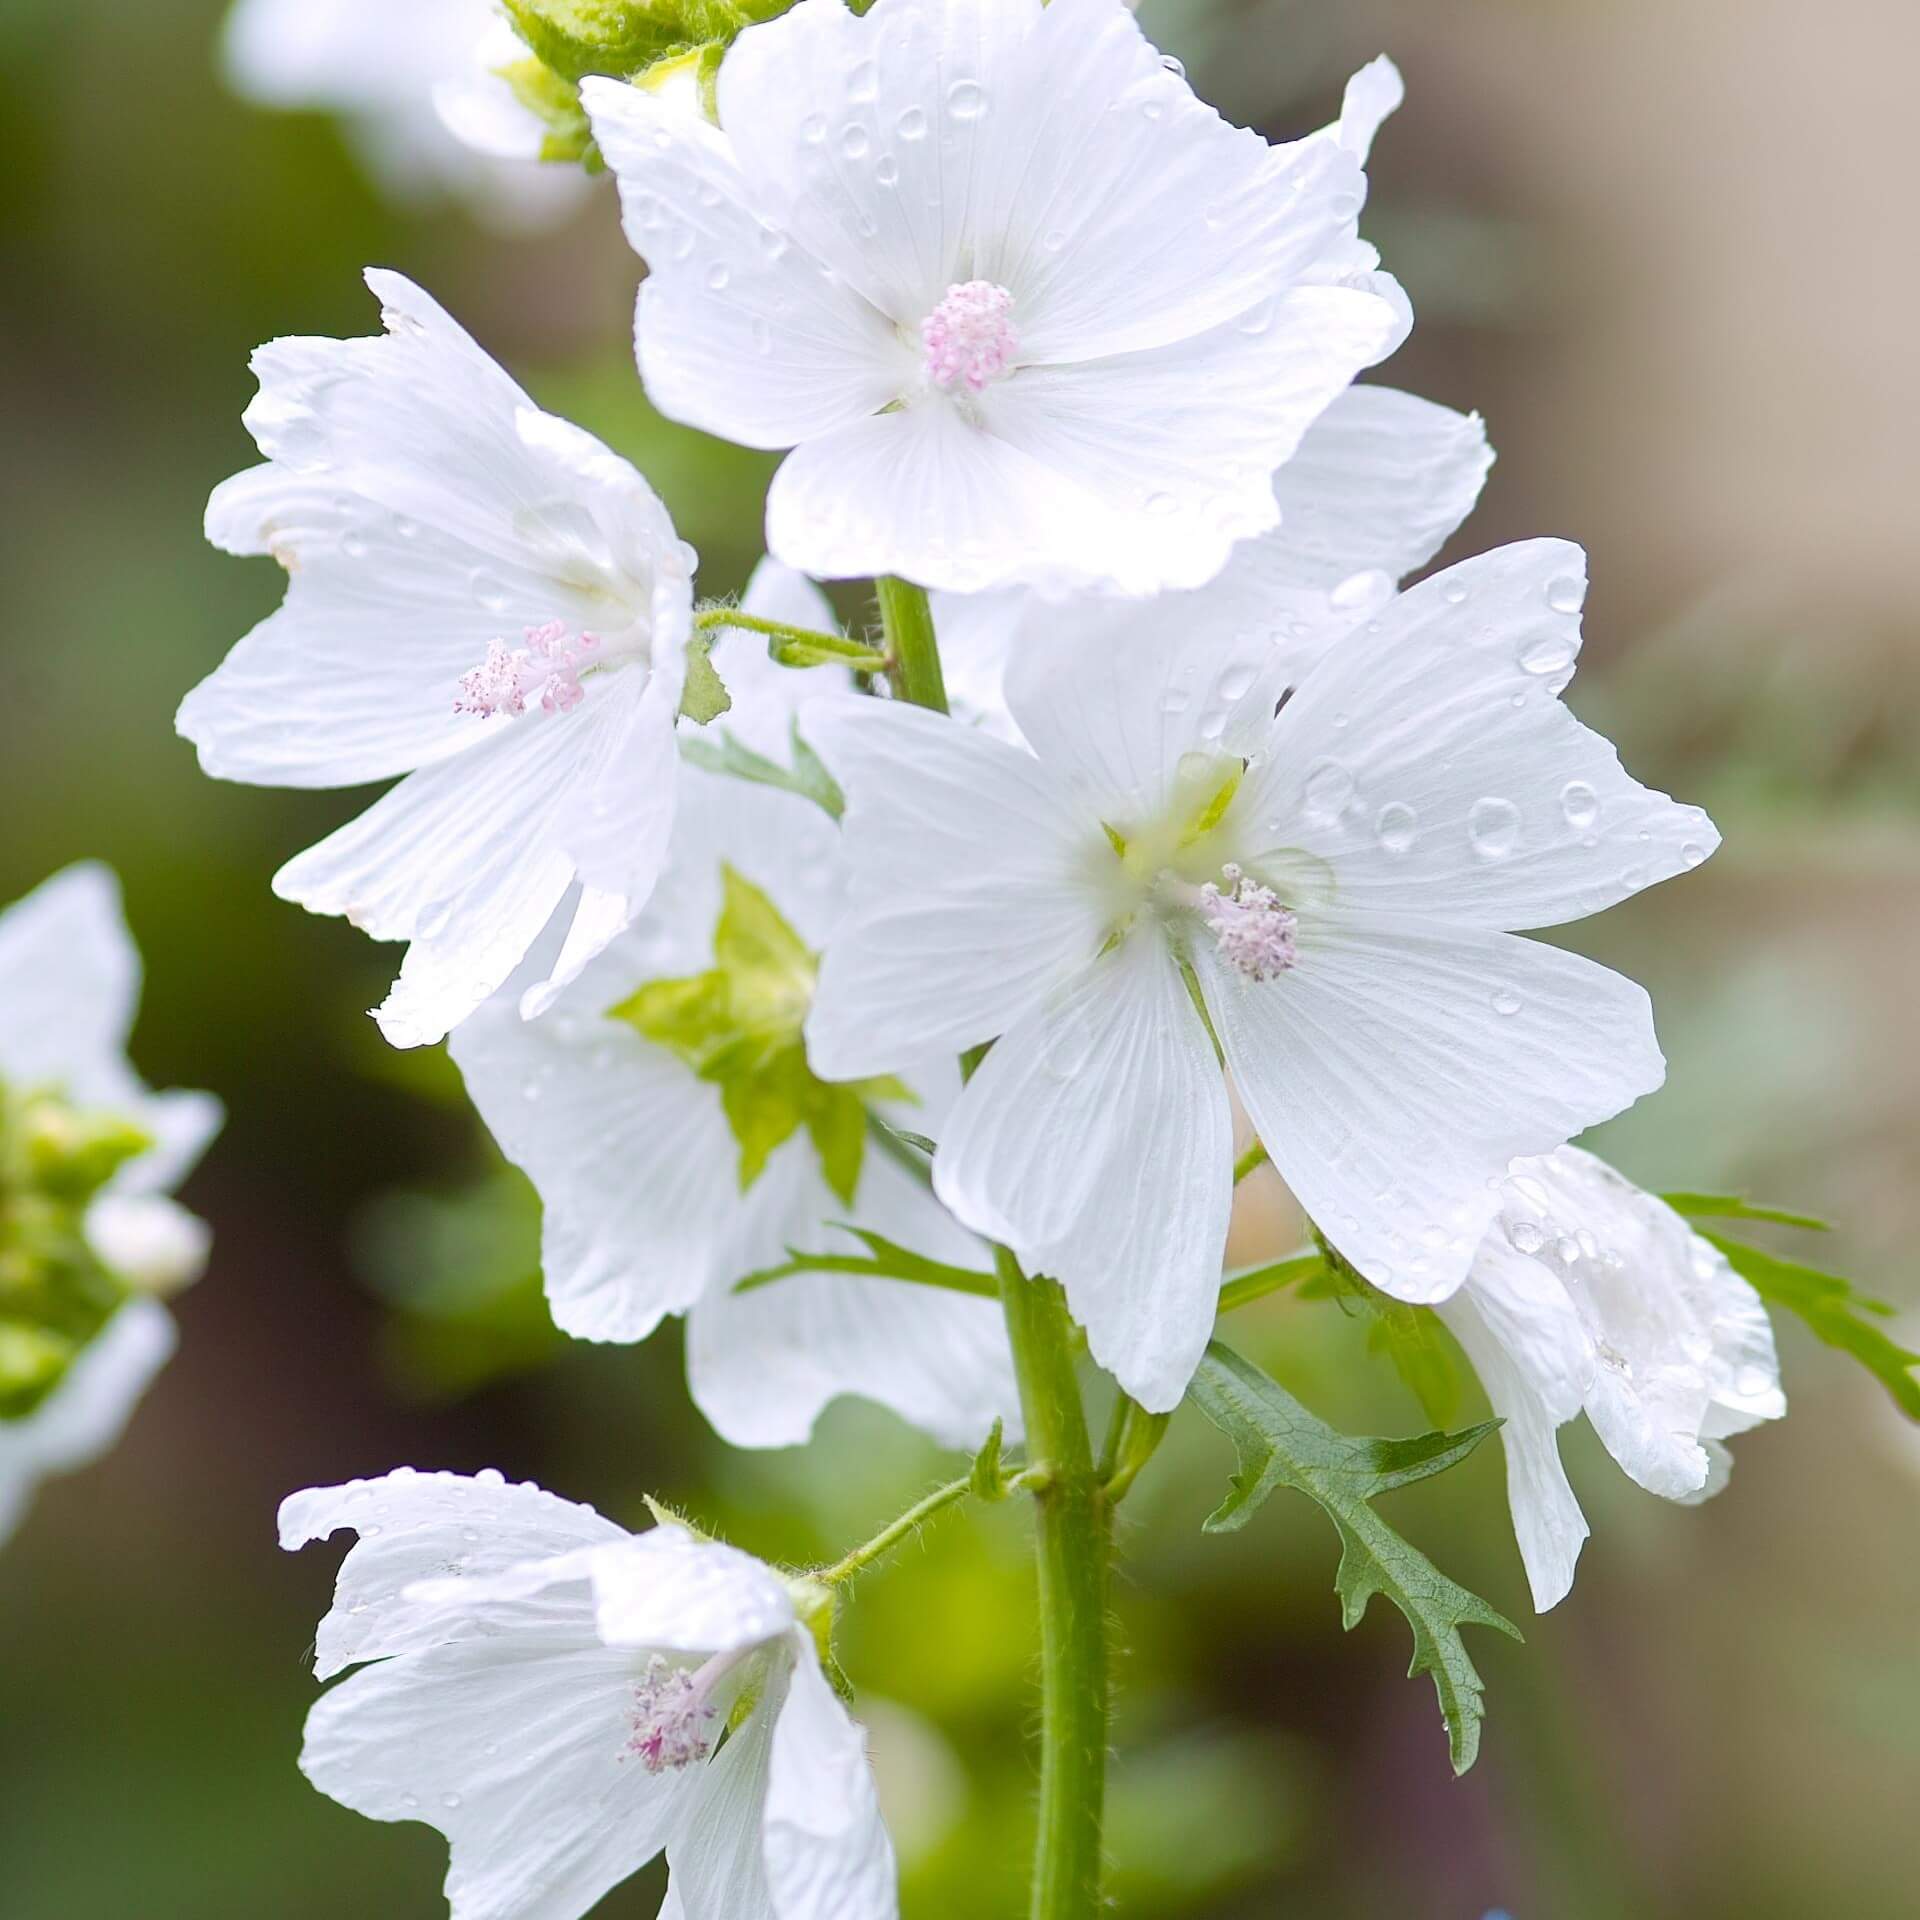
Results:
x,y
1329,786
1175,66
1693,853
1394,827
886,170
863,83
855,140
813,129
1566,593
912,125
1493,827
1454,594
966,100
1579,803
718,276
1526,1237
1506,1003
1548,654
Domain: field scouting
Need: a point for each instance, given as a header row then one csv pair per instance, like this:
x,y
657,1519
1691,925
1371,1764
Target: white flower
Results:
x,y
564,1700
1380,482
69,985
653,1205
1340,885
481,597
150,1242
1026,309
419,87
1589,1294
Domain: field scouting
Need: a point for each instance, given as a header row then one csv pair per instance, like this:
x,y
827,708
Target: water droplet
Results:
x,y
1236,682
718,276
1693,853
886,170
1394,827
966,100
1454,594
1256,319
813,129
1750,1382
449,1801
409,1800
772,244
912,125
1579,803
1152,109
1176,67
1160,503
1526,1237
1054,240
354,546
1494,827
1362,592
1329,786
1176,700
864,81
855,140
1548,654
1567,593
1506,1003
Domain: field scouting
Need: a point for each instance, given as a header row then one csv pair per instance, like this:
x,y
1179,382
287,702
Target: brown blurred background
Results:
x,y
1669,251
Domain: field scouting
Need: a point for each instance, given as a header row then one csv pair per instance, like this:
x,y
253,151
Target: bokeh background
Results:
x,y
1667,249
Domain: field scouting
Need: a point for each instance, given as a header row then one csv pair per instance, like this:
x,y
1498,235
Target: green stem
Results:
x,y
911,645
795,646
1072,1524
915,1517
1254,1158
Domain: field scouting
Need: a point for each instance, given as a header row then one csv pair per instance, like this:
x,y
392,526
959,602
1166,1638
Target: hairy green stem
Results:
x,y
1071,1514
795,646
915,1517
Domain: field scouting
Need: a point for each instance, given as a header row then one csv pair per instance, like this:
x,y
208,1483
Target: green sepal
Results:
x,y
1835,1311
554,101
1280,1444
704,696
807,777
666,1516
625,37
988,1478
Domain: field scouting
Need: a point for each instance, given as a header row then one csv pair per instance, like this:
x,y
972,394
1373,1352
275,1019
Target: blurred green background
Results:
x,y
1660,246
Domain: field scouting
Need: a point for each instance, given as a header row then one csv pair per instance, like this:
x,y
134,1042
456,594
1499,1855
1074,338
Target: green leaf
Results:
x,y
1729,1206
808,776
1834,1310
1281,1444
704,698
1423,1355
883,1260
1257,1282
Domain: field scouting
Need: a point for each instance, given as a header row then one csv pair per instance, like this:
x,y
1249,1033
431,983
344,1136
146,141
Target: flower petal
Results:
x,y
716,1863
514,1747
413,1527
725,290
968,900
1430,764
827,1852
1396,1068
1095,1140
667,1589
69,984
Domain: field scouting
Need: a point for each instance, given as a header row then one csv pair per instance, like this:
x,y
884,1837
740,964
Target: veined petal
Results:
x,y
667,1589
716,1863
1396,1068
741,330
514,1747
69,983
1429,763
765,1365
453,1527
1095,1141
87,1412
1525,1339
969,899
826,1849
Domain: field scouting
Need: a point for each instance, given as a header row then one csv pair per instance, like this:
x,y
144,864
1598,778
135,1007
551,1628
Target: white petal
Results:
x,y
741,331
69,983
827,1852
1371,94
765,1364
155,1245
419,1526
631,1155
516,1749
1178,444
667,1589
1095,1141
85,1414
1396,1069
716,1864
1533,1357
969,900
1430,764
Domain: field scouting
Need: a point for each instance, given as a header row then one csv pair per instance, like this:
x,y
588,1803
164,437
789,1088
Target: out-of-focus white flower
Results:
x,y
565,1700
419,88
1588,1294
1027,311
481,597
678,1148
69,987
1339,885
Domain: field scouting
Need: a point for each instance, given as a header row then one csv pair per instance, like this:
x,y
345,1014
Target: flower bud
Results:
x,y
153,1245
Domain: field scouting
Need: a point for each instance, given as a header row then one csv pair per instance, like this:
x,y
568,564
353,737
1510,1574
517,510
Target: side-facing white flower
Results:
x,y
69,986
665,1111
565,1700
1589,1294
419,88
1339,885
1027,311
1381,480
481,597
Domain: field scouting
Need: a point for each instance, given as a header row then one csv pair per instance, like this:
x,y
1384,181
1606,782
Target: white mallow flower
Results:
x,y
420,89
1338,885
1381,481
665,1111
69,987
1025,309
480,597
1588,1294
565,1700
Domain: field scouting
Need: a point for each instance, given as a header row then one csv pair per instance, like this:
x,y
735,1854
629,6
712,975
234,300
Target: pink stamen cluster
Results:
x,y
1255,933
544,673
969,336
672,1718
